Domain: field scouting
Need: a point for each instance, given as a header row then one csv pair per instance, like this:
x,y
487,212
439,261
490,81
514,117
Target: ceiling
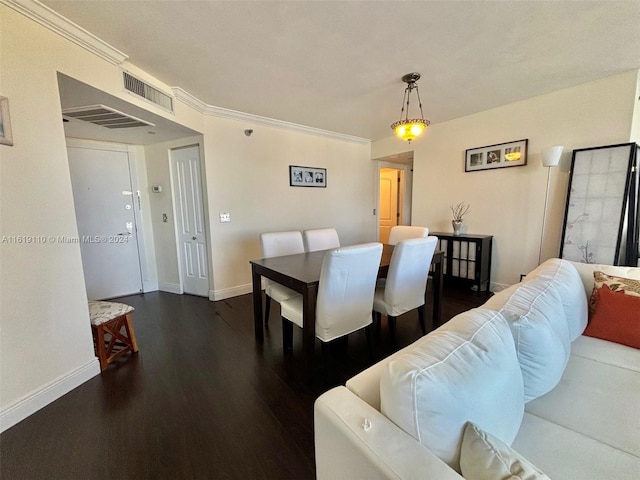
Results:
x,y
336,65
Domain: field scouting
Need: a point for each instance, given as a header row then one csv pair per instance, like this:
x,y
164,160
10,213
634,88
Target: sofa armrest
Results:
x,y
346,449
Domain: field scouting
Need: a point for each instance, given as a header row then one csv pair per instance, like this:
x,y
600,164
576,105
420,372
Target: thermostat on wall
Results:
x,y
156,188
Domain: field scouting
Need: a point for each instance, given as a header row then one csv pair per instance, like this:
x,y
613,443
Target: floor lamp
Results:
x,y
550,158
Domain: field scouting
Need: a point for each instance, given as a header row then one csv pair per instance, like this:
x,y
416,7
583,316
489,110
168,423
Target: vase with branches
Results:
x,y
459,210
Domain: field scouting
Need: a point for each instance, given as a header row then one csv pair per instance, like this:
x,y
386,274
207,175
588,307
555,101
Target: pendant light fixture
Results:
x,y
409,128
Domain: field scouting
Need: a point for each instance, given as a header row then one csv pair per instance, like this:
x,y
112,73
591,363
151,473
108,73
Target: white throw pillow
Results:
x,y
485,457
566,280
541,333
466,370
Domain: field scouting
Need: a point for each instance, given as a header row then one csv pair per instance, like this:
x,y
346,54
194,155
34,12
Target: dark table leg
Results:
x,y
309,298
257,303
438,279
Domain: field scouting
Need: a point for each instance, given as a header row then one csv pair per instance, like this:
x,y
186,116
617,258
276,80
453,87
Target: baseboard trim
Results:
x,y
170,288
47,394
215,295
149,287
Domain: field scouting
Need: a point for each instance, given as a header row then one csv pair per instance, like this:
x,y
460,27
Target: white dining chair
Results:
x,y
405,232
278,244
320,239
406,282
345,295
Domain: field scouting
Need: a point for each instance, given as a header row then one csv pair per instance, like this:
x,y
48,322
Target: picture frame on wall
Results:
x,y
510,154
6,138
307,176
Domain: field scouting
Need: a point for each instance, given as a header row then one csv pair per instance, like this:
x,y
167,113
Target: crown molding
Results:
x,y
55,22
199,105
188,99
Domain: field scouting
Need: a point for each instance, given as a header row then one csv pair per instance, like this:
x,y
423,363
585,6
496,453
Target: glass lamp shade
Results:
x,y
409,129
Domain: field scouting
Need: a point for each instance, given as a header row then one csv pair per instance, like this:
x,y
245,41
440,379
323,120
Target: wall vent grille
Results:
x,y
146,91
105,117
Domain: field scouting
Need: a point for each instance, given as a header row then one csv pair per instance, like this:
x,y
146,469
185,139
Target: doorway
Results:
x,y
190,220
106,203
390,207
394,193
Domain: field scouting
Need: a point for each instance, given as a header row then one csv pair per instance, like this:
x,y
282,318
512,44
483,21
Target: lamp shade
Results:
x,y
551,156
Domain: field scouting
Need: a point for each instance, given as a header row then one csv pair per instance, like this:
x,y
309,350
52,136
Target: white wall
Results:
x,y
43,308
635,127
508,203
248,177
148,253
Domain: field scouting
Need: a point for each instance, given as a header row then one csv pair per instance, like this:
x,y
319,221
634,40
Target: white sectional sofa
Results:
x,y
518,367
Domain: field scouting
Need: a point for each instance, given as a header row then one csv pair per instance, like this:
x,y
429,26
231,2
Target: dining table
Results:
x,y
301,273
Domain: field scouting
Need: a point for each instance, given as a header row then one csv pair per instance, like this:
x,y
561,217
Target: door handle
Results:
x,y
194,238
123,234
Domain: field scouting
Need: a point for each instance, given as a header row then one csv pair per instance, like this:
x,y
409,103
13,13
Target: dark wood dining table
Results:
x,y
301,273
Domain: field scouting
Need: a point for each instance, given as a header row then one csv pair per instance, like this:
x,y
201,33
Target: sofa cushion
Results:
x,y
541,333
567,282
595,399
466,370
564,454
484,457
615,315
606,352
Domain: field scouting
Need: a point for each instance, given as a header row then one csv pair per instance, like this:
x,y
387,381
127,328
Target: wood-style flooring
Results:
x,y
201,400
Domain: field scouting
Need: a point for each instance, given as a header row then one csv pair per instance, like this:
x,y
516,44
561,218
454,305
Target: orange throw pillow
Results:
x,y
615,316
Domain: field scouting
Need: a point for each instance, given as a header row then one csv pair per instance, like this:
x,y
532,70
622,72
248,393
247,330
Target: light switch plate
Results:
x,y
225,217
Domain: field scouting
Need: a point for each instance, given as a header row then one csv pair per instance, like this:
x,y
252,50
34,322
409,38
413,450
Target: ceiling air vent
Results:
x,y
146,91
105,117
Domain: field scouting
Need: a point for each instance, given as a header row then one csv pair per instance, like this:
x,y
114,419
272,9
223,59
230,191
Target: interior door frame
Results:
x,y
130,150
205,213
405,190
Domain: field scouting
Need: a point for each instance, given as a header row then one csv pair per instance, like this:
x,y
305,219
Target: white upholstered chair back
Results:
x,y
278,244
405,232
346,288
321,239
407,277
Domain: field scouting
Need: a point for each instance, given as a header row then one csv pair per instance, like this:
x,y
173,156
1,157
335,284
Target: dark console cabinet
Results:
x,y
467,259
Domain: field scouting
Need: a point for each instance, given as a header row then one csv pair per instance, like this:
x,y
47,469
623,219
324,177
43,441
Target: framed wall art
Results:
x,y
307,176
511,154
5,123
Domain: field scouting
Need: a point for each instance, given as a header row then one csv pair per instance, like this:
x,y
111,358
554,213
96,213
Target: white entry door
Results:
x,y
389,210
192,240
104,201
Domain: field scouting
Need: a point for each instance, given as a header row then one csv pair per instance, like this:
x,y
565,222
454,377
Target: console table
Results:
x,y
467,259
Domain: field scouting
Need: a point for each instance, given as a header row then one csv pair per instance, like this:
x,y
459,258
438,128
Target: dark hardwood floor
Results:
x,y
201,399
